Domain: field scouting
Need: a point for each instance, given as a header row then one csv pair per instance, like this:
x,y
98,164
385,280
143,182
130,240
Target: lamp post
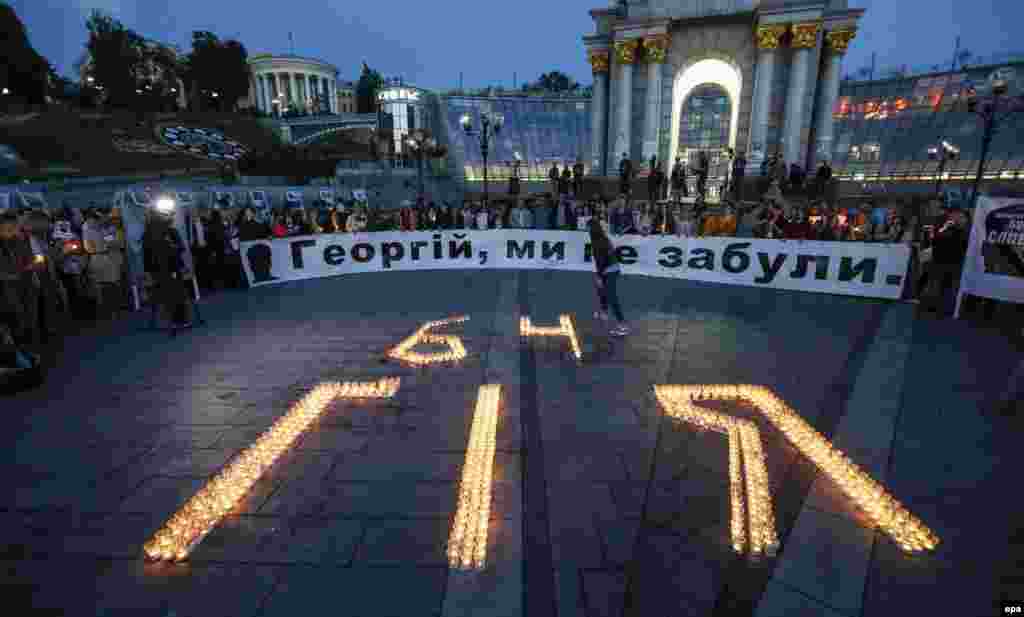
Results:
x,y
943,153
490,126
992,108
422,145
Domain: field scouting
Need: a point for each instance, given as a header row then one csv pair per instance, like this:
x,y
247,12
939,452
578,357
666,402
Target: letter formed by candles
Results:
x,y
456,351
467,544
564,328
747,456
217,498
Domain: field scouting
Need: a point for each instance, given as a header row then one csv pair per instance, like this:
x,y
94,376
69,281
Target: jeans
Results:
x,y
607,294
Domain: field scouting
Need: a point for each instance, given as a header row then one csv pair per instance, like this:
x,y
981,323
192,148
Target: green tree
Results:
x,y
116,54
23,71
216,66
555,81
370,83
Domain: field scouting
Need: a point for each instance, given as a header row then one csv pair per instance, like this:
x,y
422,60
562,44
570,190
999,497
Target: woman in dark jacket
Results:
x,y
606,278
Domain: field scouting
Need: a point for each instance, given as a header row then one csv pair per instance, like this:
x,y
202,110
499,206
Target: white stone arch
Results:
x,y
706,71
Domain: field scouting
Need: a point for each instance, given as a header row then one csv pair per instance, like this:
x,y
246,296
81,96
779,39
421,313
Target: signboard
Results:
x,y
327,195
185,198
846,268
994,267
36,201
359,195
261,204
293,198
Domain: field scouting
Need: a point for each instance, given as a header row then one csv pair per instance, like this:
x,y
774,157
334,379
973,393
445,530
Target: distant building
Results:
x,y
283,83
346,97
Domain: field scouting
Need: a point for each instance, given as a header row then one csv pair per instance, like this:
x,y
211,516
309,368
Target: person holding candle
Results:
x,y
606,277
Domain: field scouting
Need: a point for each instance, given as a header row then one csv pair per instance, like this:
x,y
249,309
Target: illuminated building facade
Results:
x,y
885,127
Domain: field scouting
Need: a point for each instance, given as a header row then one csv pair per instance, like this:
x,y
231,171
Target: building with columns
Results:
x,y
676,77
280,83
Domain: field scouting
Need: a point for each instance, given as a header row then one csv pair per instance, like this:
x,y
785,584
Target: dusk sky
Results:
x,y
429,43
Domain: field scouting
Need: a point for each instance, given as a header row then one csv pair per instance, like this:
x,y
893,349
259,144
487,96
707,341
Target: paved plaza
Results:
x,y
598,499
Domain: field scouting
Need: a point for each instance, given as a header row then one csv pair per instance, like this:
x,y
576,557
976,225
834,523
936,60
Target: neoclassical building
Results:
x,y
280,82
675,77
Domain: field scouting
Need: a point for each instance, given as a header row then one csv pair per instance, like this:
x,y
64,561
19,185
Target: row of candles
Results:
x,y
885,512
564,328
750,499
467,544
183,532
456,350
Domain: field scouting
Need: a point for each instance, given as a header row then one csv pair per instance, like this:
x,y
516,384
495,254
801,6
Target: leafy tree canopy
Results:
x,y
23,71
370,83
555,81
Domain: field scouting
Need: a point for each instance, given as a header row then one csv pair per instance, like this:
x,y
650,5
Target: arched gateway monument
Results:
x,y
673,77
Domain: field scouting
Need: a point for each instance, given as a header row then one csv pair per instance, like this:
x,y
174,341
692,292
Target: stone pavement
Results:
x,y
587,514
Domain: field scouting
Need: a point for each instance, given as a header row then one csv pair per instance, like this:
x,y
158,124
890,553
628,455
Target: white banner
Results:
x,y
327,195
847,268
994,267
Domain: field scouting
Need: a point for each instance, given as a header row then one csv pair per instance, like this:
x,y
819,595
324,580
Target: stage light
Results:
x,y
467,544
906,530
456,350
204,511
165,205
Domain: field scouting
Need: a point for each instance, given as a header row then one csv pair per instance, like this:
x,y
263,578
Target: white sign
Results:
x,y
847,268
327,195
359,194
994,267
185,198
258,199
293,197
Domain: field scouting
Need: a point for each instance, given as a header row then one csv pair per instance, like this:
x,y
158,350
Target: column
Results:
x,y
837,41
768,39
598,110
625,56
333,94
655,49
805,38
294,94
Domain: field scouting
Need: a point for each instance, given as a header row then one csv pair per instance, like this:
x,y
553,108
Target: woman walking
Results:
x,y
606,277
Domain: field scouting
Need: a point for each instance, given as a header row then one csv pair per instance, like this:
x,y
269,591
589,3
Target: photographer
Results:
x,y
165,262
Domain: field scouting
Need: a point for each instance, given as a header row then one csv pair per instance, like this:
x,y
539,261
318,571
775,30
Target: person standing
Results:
x,y
948,253
703,168
554,176
577,179
739,170
679,180
625,175
606,278
654,183
100,240
564,182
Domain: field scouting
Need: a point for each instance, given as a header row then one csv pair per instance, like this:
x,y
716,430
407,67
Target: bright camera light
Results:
x,y
165,205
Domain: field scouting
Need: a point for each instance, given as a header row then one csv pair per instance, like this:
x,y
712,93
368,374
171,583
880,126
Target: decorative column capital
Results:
x,y
656,48
625,51
770,37
839,40
805,35
598,59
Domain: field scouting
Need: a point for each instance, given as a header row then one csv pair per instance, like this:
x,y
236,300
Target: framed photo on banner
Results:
x,y
293,199
994,267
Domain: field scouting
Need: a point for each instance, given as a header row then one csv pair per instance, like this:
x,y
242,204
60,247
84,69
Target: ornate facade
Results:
x,y
775,63
283,82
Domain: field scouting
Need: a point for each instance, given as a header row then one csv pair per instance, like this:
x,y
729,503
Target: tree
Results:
x,y
370,83
23,71
116,54
555,81
216,66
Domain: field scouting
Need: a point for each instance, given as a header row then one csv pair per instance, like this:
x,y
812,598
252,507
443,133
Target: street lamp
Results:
x,y
422,145
490,126
943,153
992,109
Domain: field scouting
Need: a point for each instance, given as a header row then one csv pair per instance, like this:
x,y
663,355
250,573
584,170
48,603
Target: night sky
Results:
x,y
429,43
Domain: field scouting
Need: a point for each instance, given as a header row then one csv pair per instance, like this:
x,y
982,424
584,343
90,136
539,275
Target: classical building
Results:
x,y
676,77
346,97
280,83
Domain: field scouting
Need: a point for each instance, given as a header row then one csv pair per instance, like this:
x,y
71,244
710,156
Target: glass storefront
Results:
x,y
884,129
538,132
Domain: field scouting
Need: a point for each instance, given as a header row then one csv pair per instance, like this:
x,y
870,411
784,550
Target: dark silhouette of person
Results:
x,y
260,262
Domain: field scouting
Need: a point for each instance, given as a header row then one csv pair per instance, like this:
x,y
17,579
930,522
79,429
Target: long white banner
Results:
x,y
847,268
